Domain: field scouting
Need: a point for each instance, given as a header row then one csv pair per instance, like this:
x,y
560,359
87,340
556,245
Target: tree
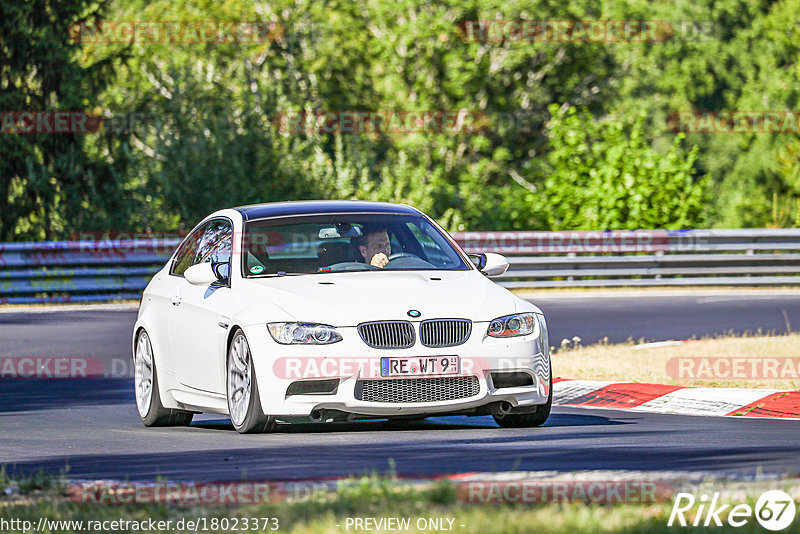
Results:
x,y
605,175
47,180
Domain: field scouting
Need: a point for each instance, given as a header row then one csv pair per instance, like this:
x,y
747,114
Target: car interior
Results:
x,y
308,248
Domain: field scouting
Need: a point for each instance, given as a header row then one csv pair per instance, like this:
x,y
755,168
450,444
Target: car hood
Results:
x,y
347,299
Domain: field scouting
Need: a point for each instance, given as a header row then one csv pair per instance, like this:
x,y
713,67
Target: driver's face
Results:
x,y
376,243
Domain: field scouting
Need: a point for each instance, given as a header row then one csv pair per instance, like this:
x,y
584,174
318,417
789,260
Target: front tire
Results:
x,y
528,420
244,402
148,399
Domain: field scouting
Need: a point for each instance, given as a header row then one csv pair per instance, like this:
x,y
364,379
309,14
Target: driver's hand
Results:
x,y
379,260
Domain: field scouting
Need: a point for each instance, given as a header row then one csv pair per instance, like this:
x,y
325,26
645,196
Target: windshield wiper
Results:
x,y
279,273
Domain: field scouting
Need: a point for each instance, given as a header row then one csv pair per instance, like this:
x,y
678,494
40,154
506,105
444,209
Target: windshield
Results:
x,y
345,242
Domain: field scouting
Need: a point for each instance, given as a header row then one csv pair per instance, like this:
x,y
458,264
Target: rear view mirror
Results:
x,y
339,230
328,233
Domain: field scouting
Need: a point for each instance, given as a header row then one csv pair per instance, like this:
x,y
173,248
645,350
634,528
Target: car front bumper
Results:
x,y
352,361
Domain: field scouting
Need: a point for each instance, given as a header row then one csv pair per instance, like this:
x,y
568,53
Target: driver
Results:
x,y
375,247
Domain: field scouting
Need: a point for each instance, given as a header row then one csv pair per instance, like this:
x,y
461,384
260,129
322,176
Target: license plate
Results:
x,y
431,365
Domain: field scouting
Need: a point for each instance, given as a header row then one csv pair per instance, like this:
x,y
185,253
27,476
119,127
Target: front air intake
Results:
x,y
407,390
313,387
511,380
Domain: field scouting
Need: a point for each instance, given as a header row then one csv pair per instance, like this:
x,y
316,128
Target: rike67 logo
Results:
x,y
774,510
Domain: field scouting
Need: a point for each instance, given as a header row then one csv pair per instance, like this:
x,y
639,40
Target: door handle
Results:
x,y
176,300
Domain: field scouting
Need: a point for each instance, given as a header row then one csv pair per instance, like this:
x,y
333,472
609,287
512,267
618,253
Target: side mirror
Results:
x,y
478,260
489,263
222,269
201,274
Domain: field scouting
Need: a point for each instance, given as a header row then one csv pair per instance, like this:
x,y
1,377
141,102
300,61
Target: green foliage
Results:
x,y
46,180
205,134
605,175
321,510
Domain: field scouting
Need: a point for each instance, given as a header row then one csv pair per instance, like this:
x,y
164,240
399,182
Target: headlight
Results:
x,y
519,324
303,333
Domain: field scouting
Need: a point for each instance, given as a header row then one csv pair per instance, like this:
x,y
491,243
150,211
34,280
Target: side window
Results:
x,y
216,243
186,254
211,242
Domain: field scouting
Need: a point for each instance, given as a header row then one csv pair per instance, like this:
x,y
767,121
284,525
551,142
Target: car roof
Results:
x,y
313,207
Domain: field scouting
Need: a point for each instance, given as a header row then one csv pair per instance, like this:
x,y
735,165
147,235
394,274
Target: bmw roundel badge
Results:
x,y
414,313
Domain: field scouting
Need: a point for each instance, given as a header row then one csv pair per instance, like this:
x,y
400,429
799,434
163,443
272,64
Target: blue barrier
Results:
x,y
79,271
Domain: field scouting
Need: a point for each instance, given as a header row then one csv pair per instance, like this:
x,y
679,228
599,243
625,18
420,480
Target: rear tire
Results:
x,y
528,420
148,399
244,402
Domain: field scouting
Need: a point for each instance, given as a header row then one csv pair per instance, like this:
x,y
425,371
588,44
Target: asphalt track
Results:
x,y
89,427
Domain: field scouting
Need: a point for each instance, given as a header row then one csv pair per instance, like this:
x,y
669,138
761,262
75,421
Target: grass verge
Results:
x,y
368,497
632,363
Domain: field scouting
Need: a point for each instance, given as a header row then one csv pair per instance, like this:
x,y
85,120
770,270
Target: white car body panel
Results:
x,y
383,295
190,327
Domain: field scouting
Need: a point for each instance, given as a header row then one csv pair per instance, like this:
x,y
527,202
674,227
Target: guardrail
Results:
x,y
79,271
752,257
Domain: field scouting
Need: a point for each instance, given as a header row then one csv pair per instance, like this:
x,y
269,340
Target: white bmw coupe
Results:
x,y
334,311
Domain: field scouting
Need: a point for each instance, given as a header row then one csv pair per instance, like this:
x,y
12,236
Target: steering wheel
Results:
x,y
398,255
